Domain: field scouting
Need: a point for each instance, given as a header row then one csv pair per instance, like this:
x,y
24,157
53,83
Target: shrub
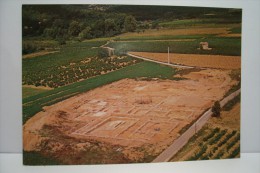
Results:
x,y
216,109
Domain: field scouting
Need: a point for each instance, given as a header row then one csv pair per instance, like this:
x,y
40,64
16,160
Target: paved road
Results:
x,y
167,154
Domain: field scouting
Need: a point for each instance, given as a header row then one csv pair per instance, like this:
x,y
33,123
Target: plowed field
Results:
x,y
210,61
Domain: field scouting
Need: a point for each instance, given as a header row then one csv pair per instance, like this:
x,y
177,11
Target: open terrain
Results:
x,y
131,115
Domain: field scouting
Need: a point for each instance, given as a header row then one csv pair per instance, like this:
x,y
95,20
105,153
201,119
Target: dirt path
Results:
x,y
167,154
164,63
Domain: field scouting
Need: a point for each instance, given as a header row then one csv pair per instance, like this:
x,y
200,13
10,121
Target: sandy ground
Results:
x,y
210,61
128,113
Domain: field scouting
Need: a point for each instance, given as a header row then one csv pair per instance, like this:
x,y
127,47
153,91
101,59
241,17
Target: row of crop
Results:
x,y
216,143
56,76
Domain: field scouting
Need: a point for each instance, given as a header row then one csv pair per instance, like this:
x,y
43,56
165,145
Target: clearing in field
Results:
x,y
133,119
196,60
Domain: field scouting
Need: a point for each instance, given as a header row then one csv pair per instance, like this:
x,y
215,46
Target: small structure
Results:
x,y
111,51
204,46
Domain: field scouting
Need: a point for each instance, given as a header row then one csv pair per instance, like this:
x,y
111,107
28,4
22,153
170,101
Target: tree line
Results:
x,y
65,22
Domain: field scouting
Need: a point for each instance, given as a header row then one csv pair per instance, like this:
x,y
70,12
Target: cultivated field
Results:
x,y
79,61
209,61
230,46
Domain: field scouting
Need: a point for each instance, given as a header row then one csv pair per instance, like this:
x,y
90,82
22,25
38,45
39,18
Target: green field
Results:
x,y
206,22
236,30
34,104
160,37
27,91
219,45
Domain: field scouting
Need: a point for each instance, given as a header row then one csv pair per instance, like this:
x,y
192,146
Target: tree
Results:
x,y
130,24
110,27
85,33
216,109
74,28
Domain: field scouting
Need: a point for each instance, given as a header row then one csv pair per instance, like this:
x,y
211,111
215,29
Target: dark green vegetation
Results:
x,y
199,22
73,63
31,45
27,91
236,30
219,45
216,109
235,75
232,103
34,104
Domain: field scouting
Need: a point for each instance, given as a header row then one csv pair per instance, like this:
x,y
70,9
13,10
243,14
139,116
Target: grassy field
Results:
x,y
34,104
160,37
213,22
219,45
28,91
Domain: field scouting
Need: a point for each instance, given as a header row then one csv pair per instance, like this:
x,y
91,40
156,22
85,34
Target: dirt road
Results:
x,y
164,63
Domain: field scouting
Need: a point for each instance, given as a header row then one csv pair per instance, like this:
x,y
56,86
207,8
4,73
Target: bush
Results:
x,y
216,109
103,53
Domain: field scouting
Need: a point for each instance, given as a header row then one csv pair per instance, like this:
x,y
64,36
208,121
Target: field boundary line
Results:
x,y
164,63
169,152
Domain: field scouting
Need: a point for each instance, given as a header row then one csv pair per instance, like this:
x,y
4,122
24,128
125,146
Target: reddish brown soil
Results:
x,y
133,118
